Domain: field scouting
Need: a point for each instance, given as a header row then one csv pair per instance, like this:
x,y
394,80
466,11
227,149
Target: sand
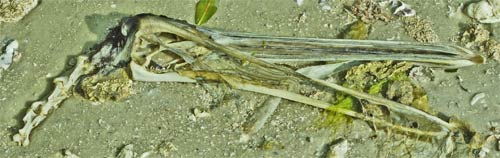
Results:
x,y
159,115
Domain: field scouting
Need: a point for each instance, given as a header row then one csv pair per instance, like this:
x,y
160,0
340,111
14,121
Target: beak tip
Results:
x,y
478,59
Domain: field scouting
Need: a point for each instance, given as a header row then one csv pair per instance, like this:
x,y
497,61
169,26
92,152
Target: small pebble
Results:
x,y
8,55
477,97
299,2
199,113
339,150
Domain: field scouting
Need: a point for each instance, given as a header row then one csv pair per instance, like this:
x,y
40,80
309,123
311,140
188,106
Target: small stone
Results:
x,y
166,149
324,5
404,10
302,17
299,2
421,74
127,152
477,98
9,53
339,150
199,113
68,154
485,11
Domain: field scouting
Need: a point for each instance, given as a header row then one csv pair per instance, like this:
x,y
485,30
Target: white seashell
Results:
x,y
7,57
477,98
127,152
405,10
299,2
402,9
339,150
485,11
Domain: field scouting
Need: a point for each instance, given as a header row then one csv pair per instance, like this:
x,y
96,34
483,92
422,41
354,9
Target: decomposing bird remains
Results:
x,y
151,48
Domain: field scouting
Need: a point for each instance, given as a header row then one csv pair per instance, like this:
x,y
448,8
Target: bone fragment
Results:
x,y
40,109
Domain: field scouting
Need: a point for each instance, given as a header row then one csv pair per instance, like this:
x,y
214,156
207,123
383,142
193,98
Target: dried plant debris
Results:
x,y
419,29
388,79
476,36
484,11
369,11
15,10
385,79
259,118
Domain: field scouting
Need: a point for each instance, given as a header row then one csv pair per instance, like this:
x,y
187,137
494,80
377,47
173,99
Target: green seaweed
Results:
x,y
358,30
334,119
376,78
377,87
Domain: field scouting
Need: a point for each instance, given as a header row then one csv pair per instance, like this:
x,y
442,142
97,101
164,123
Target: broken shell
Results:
x,y
127,152
485,11
299,2
8,56
477,98
339,150
200,113
404,10
69,154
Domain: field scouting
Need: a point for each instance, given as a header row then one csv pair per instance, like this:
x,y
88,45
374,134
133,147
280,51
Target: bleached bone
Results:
x,y
140,73
39,110
453,56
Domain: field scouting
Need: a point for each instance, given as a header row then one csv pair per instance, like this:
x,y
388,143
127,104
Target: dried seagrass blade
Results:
x,y
260,117
293,49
